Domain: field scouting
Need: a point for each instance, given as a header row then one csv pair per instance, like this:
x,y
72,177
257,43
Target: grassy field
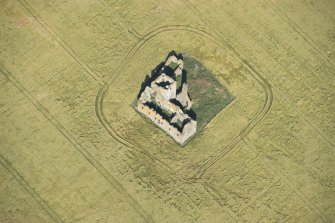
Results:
x,y
74,150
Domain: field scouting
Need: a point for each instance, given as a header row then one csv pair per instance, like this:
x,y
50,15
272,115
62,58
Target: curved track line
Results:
x,y
256,75
104,89
246,130
102,92
98,109
118,186
247,140
285,97
216,196
6,164
270,80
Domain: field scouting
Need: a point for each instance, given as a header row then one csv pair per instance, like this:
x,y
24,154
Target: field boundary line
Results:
x,y
131,30
216,196
268,188
268,79
249,127
77,145
71,52
305,200
275,170
29,189
298,30
288,100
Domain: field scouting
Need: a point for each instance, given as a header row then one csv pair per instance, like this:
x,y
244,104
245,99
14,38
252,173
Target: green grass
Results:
x,y
209,96
173,65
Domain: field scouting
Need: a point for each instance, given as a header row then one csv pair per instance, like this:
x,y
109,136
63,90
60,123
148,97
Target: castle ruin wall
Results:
x,y
188,130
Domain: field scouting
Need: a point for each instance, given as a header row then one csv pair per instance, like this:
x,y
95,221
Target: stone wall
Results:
x,y
166,93
180,137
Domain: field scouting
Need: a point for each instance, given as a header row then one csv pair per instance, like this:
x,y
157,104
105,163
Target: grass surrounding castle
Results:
x,y
209,96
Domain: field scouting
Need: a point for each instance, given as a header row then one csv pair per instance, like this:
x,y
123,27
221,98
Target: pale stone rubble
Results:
x,y
169,107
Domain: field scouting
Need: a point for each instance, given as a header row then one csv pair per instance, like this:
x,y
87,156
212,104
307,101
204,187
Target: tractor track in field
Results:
x,y
267,80
284,96
85,153
196,177
304,35
282,177
65,46
30,190
142,39
246,130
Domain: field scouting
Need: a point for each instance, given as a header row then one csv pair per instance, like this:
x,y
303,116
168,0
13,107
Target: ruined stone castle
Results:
x,y
164,99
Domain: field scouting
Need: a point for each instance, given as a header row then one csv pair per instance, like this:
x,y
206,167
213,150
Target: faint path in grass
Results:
x,y
268,79
104,89
279,174
98,110
30,190
266,84
298,30
215,195
44,24
118,186
142,40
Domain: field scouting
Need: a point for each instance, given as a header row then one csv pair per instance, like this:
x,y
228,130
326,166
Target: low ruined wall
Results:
x,y
189,129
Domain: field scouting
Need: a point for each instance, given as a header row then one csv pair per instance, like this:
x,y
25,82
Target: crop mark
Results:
x,y
216,196
6,164
246,130
268,79
136,33
77,145
39,19
106,125
105,88
305,200
268,188
285,97
275,170
297,29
